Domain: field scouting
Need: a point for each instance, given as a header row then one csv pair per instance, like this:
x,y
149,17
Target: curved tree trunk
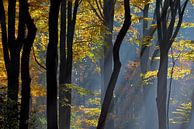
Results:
x,y
117,65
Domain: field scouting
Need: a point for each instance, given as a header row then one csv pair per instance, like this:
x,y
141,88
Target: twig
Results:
x,y
36,60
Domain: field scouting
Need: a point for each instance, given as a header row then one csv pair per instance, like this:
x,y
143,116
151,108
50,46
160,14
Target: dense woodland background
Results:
x,y
105,64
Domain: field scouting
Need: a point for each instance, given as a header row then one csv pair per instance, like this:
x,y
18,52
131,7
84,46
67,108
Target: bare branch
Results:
x,y
36,60
96,12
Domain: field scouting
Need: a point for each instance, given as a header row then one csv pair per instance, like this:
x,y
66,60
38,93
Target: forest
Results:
x,y
96,64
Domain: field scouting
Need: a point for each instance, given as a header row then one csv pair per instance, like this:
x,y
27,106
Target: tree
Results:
x,y
11,50
66,60
106,69
13,67
25,60
108,11
51,65
62,111
105,14
166,12
145,63
117,66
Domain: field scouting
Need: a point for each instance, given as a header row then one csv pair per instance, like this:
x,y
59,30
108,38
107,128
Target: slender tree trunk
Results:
x,y
67,61
12,61
108,11
13,75
144,58
51,64
166,35
162,90
117,66
25,70
68,73
144,63
63,61
145,43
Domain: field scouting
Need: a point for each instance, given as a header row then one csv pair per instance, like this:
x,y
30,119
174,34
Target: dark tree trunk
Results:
x,y
162,90
145,43
66,61
67,78
117,66
108,11
51,64
25,70
13,74
71,18
166,35
144,58
63,61
12,61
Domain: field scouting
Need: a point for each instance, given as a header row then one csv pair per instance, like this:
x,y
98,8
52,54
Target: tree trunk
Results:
x,y
66,61
63,61
67,78
166,35
162,89
145,43
51,64
144,63
25,70
108,11
13,74
116,69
